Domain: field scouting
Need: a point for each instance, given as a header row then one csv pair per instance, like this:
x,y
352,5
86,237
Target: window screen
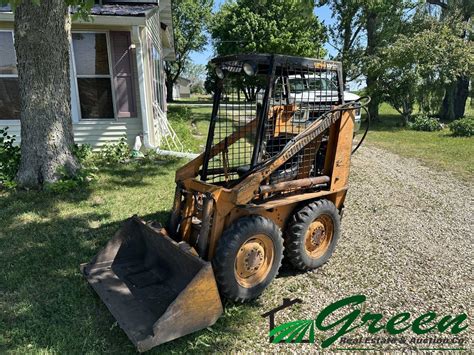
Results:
x,y
9,90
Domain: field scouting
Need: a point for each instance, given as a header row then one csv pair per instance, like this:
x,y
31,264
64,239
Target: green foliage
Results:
x,y
264,26
190,18
112,153
181,119
9,158
86,174
82,8
427,124
284,27
420,63
463,127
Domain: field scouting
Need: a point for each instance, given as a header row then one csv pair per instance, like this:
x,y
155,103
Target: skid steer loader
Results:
x,y
271,181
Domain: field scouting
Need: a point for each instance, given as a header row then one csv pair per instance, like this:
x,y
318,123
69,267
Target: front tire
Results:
x,y
248,257
312,235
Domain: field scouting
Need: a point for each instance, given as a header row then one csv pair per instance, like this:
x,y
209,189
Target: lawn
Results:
x,y
436,149
45,304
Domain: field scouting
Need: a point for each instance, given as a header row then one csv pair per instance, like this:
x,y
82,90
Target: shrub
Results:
x,y
9,158
463,127
87,172
112,153
425,123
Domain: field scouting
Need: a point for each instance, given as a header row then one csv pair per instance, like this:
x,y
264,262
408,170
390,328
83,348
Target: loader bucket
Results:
x,y
156,289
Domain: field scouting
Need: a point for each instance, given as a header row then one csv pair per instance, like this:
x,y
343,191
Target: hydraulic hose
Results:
x,y
363,106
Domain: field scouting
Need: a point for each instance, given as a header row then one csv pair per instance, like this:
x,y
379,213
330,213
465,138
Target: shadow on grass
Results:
x,y
134,174
46,305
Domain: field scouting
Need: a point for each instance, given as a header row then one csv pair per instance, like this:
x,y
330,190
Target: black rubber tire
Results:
x,y
296,232
229,244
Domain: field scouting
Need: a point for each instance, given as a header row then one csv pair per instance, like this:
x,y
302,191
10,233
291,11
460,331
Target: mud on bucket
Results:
x,y
156,289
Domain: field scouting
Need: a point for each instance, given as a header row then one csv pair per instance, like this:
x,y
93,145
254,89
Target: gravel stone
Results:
x,y
406,244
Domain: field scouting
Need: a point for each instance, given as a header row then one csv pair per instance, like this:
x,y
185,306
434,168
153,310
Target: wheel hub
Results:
x,y
254,260
318,236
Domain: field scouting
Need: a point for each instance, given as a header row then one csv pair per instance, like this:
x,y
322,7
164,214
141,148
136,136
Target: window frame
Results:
x,y
10,121
97,76
156,86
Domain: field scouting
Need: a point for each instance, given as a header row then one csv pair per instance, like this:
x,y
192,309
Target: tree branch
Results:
x,y
354,36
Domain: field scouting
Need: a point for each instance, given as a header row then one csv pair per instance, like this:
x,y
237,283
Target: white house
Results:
x,y
182,88
117,77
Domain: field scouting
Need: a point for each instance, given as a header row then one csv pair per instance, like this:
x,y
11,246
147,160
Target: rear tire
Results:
x,y
312,235
248,257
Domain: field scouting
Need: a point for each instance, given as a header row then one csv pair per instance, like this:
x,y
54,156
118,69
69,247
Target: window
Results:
x,y
94,79
9,90
156,75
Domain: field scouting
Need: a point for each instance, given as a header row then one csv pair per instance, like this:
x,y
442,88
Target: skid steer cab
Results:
x,y
271,182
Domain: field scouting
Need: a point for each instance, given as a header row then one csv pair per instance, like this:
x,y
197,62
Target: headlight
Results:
x,y
219,73
249,69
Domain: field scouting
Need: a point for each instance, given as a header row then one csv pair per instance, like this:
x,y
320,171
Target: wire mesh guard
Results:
x,y
260,105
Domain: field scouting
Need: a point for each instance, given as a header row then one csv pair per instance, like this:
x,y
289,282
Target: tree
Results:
x,y
190,18
362,29
42,31
426,56
344,35
283,27
265,26
457,92
382,21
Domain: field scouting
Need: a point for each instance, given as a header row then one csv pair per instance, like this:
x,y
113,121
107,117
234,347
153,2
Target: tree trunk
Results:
x,y
42,35
462,93
455,98
447,107
372,76
169,91
407,110
347,35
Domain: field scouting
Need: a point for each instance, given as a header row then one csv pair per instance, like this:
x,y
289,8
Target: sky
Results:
x,y
323,13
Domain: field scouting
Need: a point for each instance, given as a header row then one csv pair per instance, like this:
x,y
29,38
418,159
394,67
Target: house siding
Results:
x,y
97,132
93,132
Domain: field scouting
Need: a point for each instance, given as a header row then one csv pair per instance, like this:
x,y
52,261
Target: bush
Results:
x,y
87,172
425,123
112,153
9,158
463,127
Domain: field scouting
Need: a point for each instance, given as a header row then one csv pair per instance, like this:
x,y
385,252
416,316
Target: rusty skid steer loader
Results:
x,y
273,177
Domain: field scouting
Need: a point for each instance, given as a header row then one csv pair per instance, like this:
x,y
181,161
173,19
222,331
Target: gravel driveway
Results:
x,y
406,244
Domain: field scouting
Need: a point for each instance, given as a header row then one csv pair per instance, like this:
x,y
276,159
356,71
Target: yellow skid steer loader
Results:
x,y
271,182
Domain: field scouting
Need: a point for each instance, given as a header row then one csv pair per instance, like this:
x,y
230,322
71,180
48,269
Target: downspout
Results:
x,y
137,42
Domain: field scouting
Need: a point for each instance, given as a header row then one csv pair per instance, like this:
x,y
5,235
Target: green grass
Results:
x,y
436,149
191,125
45,304
195,99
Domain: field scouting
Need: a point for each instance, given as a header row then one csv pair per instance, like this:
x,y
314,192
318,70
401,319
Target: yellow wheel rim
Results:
x,y
254,260
318,236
